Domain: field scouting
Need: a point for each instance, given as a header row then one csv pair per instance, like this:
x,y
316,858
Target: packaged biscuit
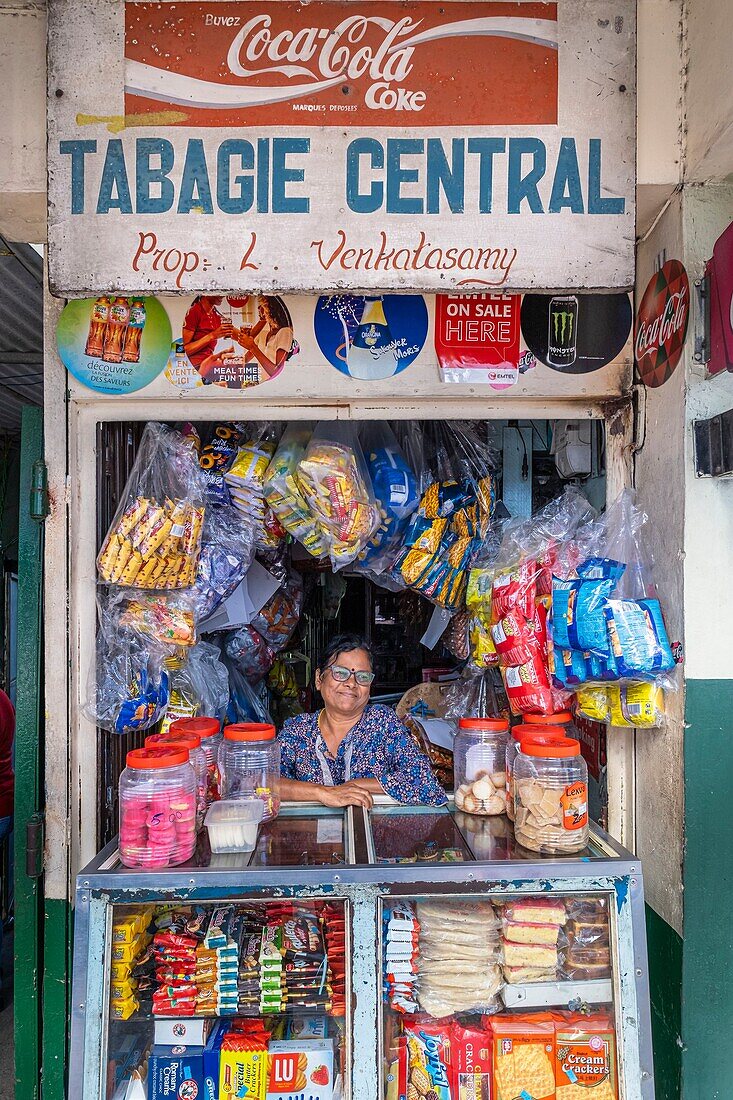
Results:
x,y
154,540
471,1063
523,1057
429,1065
585,1058
283,493
301,1067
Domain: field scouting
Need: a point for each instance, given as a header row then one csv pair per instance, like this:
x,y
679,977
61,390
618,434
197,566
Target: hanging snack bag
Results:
x,y
167,617
334,480
283,493
227,550
246,476
154,540
216,457
249,651
395,489
129,689
279,617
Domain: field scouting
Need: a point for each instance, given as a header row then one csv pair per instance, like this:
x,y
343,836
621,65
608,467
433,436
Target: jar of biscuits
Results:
x,y
479,764
551,797
514,744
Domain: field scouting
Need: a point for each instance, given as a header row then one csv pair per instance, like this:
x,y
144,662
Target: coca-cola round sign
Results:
x,y
661,324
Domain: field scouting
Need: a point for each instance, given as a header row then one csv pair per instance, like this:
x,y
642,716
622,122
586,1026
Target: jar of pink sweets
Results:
x,y
157,808
192,743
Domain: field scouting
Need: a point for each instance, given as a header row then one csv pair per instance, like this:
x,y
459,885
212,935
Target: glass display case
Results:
x,y
394,954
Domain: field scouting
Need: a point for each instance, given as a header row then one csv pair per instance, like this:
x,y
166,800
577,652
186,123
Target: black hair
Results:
x,y
278,311
343,643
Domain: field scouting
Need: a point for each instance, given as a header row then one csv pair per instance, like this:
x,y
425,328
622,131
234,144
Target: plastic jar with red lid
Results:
x,y
249,765
551,797
157,808
479,763
513,747
192,743
209,730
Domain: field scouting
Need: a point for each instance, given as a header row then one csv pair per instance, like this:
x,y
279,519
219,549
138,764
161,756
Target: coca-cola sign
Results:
x,y
661,324
362,146
331,64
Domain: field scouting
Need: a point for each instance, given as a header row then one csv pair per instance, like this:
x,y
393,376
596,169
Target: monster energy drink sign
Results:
x,y
563,331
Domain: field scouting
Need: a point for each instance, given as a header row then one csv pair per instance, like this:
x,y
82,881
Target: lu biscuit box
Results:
x,y
301,1069
176,1073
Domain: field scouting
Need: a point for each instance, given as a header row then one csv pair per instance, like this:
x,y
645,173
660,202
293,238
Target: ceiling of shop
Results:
x,y
21,333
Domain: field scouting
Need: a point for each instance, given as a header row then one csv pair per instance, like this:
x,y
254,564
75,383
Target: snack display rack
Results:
x,y
366,862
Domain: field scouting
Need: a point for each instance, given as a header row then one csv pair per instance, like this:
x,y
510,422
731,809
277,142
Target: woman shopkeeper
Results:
x,y
352,749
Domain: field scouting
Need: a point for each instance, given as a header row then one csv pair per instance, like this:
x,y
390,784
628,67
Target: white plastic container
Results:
x,y
233,825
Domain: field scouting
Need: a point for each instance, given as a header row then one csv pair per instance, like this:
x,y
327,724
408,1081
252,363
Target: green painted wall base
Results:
x,y
665,983
707,970
58,939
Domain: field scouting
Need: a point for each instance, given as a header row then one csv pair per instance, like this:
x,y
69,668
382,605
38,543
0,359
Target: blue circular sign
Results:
x,y
368,338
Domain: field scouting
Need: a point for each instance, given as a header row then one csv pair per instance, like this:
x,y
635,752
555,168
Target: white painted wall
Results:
x,y
708,545
23,120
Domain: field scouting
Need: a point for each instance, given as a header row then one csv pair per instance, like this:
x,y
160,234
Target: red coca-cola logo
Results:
x,y
661,324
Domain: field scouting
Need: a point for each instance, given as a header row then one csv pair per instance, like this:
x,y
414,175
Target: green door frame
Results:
x,y
28,827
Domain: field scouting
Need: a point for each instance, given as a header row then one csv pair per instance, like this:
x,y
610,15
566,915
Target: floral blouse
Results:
x,y
378,747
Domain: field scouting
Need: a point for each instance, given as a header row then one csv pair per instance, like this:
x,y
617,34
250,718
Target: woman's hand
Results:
x,y
348,794
224,331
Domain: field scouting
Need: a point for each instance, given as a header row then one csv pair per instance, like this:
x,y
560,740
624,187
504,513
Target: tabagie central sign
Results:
x,y
378,145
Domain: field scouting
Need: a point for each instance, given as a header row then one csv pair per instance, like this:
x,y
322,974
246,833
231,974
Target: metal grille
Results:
x,y
117,446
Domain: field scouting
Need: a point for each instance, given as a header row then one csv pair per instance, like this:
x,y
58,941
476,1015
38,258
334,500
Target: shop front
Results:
x,y
340,343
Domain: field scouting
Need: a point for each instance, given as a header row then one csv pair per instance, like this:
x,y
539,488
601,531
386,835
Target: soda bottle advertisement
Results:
x,y
370,338
576,333
237,341
114,344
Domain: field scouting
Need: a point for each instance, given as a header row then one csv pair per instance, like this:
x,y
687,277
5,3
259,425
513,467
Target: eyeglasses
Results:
x,y
341,674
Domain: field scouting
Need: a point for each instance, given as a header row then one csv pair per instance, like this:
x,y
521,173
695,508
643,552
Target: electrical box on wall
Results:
x,y
714,445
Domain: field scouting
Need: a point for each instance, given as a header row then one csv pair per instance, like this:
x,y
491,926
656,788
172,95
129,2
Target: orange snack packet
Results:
x,y
524,1056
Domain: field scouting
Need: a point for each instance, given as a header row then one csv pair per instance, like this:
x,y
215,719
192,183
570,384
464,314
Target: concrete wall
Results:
x,y
709,91
660,482
23,121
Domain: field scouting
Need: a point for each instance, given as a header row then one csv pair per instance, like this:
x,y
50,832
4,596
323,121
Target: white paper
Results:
x,y
247,599
438,732
436,628
329,830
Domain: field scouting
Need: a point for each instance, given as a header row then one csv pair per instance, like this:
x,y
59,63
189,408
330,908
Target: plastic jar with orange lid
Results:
x,y
157,808
551,797
249,765
479,762
191,742
517,735
209,730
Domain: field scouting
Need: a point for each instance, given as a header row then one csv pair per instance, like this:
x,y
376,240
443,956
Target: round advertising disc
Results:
x,y
661,324
576,333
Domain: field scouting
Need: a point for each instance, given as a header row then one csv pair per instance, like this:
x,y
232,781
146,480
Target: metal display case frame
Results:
x,y
604,868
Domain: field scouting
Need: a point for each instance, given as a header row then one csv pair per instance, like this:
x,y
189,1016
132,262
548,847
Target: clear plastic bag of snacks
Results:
x,y
395,489
154,540
283,492
247,702
607,622
227,550
249,652
335,482
279,617
447,533
168,617
128,689
199,684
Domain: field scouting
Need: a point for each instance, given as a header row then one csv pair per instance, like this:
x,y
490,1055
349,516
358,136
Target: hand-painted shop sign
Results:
x,y
661,324
234,145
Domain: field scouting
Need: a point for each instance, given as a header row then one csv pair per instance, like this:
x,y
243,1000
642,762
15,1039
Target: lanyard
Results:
x,y
326,772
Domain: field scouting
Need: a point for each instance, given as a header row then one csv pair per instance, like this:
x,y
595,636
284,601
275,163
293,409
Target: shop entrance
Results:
x,y
530,462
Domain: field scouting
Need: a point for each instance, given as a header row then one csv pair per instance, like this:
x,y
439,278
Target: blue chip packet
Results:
x,y
639,641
